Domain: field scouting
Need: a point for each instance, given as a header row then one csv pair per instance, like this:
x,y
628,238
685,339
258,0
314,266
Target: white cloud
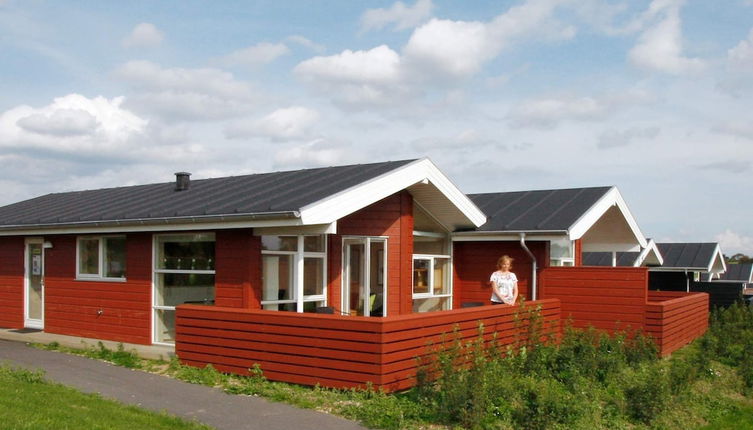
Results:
x,y
618,138
282,124
317,153
255,55
738,80
466,139
743,129
366,78
399,15
144,35
728,166
660,46
300,40
548,113
70,124
732,243
186,94
458,49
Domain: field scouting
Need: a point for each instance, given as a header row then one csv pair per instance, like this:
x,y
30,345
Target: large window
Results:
x,y
184,273
432,285
293,273
431,273
101,258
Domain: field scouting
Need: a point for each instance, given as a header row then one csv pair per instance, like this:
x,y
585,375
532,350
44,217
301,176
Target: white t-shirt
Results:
x,y
506,282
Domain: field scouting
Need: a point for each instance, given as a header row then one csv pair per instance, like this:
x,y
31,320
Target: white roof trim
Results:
x,y
592,215
338,205
716,261
650,247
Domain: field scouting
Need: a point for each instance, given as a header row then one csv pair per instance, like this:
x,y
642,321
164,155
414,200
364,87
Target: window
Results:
x,y
561,252
101,258
431,273
183,273
293,272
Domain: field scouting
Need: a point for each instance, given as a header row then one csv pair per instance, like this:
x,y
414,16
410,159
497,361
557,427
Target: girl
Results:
x,y
504,283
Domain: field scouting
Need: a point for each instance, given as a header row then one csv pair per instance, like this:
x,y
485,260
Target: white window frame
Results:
x,y
99,276
564,261
156,270
298,272
366,241
432,259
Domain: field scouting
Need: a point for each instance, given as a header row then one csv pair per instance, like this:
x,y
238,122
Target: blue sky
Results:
x,y
654,97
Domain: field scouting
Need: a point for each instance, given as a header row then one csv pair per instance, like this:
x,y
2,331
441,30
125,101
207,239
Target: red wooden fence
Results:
x,y
675,319
609,298
333,350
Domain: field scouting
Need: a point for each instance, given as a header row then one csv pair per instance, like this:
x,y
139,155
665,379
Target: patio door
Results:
x,y
34,284
364,286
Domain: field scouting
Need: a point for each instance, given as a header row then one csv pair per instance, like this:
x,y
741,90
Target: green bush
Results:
x,y
647,392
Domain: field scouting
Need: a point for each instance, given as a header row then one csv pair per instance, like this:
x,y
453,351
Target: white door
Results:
x,y
34,284
364,284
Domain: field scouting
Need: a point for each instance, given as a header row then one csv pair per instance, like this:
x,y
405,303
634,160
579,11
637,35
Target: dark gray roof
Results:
x,y
264,193
541,210
738,272
605,258
687,255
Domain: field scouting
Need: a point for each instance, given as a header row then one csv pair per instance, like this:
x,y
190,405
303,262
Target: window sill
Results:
x,y
100,279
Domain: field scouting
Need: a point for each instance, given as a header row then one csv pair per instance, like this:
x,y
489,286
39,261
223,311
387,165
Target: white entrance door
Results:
x,y
34,284
364,285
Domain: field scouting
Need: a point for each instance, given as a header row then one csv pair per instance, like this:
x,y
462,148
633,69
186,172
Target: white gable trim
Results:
x,y
650,248
717,265
592,215
338,205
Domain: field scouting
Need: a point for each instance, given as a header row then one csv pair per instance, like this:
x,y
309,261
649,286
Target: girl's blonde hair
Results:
x,y
505,258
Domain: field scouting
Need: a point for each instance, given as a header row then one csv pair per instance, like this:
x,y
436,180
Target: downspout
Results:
x,y
533,261
687,281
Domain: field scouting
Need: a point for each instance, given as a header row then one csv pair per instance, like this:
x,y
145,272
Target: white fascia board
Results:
x,y
648,250
592,215
717,265
338,205
505,237
296,230
167,226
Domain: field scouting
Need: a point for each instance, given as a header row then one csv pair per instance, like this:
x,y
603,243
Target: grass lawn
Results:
x,y
28,401
740,419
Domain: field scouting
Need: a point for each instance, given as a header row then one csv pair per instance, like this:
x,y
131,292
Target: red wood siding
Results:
x,y
578,260
12,282
333,350
604,297
675,319
474,262
71,306
238,269
391,217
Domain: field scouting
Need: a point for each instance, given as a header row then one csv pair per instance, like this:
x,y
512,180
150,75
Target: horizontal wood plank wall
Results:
x,y
675,319
610,298
12,282
71,306
474,262
391,217
333,350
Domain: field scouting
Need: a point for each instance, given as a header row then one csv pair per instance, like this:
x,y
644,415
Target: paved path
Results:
x,y
194,402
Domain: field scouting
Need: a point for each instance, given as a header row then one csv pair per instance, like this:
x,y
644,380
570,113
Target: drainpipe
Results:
x,y
687,281
533,261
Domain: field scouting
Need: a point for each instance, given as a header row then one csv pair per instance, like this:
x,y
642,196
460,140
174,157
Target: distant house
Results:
x,y
648,257
685,263
738,273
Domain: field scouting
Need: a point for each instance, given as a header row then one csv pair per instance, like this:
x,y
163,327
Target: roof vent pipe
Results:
x,y
182,181
533,263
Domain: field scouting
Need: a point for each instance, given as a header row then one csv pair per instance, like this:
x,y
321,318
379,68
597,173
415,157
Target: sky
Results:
x,y
654,97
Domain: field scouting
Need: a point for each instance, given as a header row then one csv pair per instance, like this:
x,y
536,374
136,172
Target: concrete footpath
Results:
x,y
159,393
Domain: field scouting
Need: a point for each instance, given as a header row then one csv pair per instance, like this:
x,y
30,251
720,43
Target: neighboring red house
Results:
x,y
329,275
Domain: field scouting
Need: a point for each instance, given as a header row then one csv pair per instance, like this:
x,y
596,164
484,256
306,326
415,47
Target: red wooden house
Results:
x,y
338,276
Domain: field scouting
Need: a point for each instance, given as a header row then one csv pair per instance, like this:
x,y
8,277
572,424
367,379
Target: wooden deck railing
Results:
x,y
338,351
675,319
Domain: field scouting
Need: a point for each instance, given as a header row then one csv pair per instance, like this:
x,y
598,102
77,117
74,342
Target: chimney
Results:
x,y
182,181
